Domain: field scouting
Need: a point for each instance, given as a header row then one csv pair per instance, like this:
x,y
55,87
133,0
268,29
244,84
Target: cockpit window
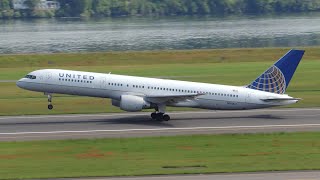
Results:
x,y
30,77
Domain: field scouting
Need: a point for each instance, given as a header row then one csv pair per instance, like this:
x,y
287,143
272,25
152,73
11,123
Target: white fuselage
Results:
x,y
212,96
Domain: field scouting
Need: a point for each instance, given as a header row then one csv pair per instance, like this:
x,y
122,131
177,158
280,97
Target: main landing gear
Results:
x,y
159,114
50,106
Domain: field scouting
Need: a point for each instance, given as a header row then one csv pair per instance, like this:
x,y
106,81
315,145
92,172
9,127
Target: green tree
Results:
x,y
257,6
175,7
75,7
8,14
84,7
204,7
192,8
119,8
4,4
17,14
101,7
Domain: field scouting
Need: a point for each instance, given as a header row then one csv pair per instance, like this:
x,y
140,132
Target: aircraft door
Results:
x,y
103,82
48,76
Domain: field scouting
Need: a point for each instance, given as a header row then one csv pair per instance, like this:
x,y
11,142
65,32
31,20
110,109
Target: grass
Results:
x,y
156,155
160,155
229,66
150,57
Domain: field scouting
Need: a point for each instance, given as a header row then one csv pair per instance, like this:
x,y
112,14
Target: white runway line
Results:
x,y
139,114
166,129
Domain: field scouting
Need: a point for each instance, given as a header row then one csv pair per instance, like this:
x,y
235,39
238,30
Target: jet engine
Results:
x,y
131,103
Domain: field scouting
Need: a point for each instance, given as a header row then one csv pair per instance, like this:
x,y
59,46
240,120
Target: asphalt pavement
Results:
x,y
17,128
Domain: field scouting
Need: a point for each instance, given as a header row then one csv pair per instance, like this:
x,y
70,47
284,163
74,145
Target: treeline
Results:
x,y
111,8
182,7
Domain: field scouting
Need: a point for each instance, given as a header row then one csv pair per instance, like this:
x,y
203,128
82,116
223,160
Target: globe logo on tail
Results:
x,y
272,81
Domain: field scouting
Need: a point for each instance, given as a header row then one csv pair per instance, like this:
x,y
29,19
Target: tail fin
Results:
x,y
277,78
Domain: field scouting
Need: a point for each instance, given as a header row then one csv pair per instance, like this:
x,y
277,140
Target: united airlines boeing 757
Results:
x,y
137,93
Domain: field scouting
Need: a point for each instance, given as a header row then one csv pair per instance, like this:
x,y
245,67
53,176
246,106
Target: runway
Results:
x,y
289,175
7,81
18,128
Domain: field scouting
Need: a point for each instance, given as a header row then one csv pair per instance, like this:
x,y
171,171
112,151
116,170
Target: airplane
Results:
x,y
133,94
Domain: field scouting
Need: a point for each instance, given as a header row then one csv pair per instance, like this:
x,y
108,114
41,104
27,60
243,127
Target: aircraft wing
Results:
x,y
171,98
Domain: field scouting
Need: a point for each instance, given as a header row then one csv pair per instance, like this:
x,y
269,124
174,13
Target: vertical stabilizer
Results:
x,y
276,79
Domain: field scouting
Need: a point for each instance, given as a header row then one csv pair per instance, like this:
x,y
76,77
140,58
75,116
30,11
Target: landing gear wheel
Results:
x,y
166,117
159,113
154,115
159,117
50,106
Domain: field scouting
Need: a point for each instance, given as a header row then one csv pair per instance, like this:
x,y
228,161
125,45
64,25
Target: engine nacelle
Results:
x,y
115,103
132,103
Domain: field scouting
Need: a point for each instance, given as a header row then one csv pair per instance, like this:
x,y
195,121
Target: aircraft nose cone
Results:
x,y
19,83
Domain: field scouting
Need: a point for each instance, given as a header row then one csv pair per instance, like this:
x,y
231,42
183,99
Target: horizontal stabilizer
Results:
x,y
281,99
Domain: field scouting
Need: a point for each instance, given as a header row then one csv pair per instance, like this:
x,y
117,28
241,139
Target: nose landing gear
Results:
x,y
50,106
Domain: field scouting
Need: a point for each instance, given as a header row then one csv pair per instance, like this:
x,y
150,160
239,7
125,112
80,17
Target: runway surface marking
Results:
x,y
78,126
164,129
138,114
7,81
278,175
